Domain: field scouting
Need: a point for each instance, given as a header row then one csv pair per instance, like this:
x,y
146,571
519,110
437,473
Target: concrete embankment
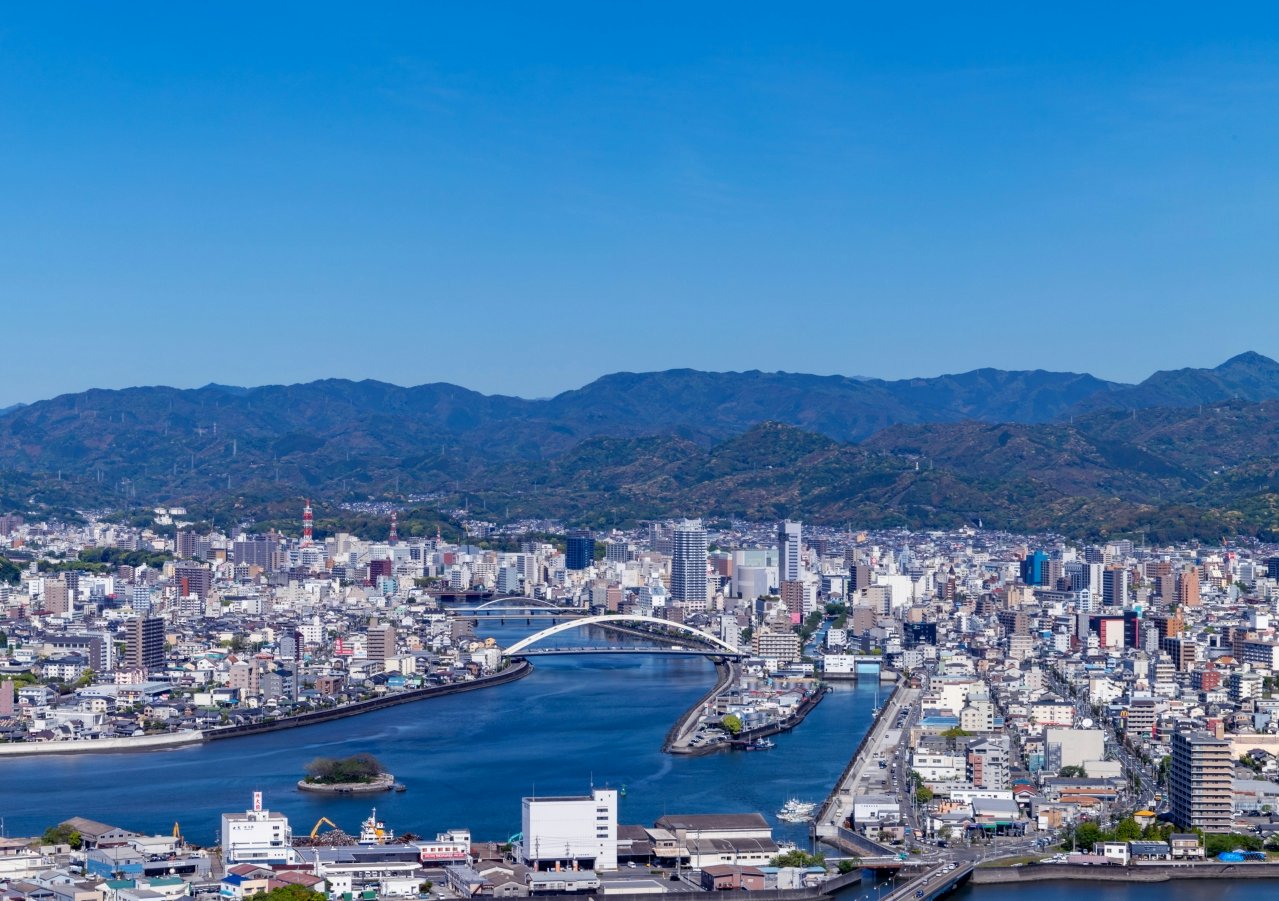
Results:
x,y
383,782
159,742
1140,873
833,810
517,670
677,737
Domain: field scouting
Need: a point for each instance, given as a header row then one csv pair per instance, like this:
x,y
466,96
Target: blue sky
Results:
x,y
521,197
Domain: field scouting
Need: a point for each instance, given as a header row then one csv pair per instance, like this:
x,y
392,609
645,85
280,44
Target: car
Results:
x,y
631,864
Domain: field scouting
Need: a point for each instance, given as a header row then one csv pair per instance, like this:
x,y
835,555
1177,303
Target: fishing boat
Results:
x,y
796,811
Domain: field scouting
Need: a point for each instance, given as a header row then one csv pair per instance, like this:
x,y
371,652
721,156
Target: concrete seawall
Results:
x,y
166,740
159,742
517,670
1140,873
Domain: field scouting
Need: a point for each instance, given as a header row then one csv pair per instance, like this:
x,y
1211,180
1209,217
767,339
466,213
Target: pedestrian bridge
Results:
x,y
712,646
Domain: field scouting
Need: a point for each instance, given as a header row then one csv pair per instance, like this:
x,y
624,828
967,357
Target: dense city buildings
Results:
x,y
1044,680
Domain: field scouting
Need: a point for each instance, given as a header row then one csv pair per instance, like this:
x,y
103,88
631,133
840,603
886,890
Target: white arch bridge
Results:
x,y
712,646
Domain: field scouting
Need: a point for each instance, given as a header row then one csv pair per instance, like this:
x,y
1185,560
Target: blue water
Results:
x,y
467,759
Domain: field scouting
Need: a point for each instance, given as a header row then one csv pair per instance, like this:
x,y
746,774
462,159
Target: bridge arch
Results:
x,y
514,650
523,602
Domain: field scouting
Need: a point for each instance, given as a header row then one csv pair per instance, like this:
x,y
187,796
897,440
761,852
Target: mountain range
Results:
x,y
1187,450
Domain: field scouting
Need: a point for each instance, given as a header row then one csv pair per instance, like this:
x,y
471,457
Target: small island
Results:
x,y
357,774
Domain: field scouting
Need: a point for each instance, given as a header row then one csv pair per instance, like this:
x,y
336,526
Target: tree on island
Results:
x,y
358,768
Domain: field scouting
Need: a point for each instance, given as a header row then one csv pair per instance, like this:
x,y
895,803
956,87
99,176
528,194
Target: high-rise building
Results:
x,y
381,642
688,561
858,577
792,592
257,550
1034,569
1188,587
1114,586
1272,567
144,643
580,552
1200,780
56,597
192,578
788,551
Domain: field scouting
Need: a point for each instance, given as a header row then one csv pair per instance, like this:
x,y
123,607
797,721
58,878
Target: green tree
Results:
x,y
1126,830
62,834
923,794
732,722
359,768
1087,835
798,858
848,864
290,893
1072,772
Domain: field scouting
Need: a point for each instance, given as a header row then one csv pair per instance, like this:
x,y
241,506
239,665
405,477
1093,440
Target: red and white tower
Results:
x,y
395,535
308,520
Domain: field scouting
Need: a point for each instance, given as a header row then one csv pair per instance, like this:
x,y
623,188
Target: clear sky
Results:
x,y
521,197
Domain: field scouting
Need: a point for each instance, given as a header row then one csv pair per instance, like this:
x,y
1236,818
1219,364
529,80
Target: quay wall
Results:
x,y
101,745
1140,873
724,671
517,670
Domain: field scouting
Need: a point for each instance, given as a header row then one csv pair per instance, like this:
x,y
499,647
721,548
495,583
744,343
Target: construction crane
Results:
x,y
321,822
177,832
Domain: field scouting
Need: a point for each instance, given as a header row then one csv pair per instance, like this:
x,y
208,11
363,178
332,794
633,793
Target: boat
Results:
x,y
796,811
373,831
762,744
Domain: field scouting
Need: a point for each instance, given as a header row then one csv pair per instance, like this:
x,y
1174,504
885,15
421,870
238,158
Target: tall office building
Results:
x,y
1034,569
1114,586
788,551
144,643
580,553
1200,782
688,561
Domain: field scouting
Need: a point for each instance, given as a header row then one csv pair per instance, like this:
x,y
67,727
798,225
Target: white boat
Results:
x,y
373,830
796,811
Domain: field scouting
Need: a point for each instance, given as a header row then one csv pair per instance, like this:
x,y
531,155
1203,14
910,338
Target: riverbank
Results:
x,y
1142,873
172,740
677,737
162,741
517,670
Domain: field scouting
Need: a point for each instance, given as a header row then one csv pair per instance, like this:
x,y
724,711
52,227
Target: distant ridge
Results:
x,y
1020,447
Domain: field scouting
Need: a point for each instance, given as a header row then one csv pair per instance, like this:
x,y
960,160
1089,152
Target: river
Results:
x,y
466,759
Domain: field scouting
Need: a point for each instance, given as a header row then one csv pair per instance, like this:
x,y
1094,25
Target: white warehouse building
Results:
x,y
256,836
571,832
